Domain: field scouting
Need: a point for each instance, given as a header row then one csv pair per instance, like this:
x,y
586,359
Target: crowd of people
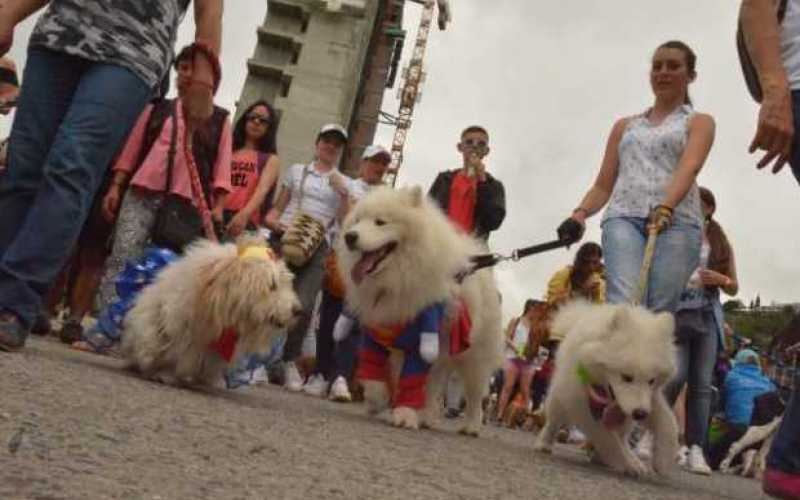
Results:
x,y
99,165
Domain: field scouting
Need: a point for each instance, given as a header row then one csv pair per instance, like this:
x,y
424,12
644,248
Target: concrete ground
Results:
x,y
76,426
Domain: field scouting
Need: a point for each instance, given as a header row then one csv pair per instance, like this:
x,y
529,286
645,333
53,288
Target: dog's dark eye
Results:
x,y
380,222
652,381
627,379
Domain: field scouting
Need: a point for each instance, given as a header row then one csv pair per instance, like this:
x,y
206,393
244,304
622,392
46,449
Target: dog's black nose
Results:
x,y
351,237
639,414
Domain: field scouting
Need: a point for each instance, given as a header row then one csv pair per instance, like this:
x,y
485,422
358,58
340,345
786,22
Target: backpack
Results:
x,y
748,68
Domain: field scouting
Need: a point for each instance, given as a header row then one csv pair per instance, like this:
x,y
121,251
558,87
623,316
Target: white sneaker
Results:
x,y
644,448
292,380
259,376
339,391
683,453
696,461
316,386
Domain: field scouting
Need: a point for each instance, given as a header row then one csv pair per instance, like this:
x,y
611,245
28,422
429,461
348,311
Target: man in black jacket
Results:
x,y
475,202
473,199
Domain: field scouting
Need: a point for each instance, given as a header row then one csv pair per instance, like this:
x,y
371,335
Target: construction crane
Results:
x,y
413,75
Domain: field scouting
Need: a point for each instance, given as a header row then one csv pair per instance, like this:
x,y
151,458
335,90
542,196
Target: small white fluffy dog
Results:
x,y
399,254
611,369
213,288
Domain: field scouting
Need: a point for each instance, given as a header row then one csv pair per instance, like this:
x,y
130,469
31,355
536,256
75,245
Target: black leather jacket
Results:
x,y
490,205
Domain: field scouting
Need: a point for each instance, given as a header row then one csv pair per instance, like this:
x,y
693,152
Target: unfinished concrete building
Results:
x,y
321,61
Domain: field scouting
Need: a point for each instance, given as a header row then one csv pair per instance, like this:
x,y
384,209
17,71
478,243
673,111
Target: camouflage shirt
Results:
x,y
136,34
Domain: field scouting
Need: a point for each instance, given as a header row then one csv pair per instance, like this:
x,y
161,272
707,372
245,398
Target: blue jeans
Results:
x,y
72,116
785,452
676,255
697,343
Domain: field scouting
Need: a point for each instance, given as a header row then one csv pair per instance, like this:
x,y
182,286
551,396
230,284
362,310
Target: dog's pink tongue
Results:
x,y
613,417
363,266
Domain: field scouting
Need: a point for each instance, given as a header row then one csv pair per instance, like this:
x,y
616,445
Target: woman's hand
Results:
x,y
111,202
237,224
272,221
713,278
216,213
571,230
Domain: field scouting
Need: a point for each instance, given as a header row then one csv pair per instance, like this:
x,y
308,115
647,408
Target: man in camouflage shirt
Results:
x,y
92,66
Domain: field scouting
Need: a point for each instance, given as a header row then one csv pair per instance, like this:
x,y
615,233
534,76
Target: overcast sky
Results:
x,y
548,80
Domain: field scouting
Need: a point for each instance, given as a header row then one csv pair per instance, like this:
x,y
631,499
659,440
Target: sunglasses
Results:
x,y
261,120
474,142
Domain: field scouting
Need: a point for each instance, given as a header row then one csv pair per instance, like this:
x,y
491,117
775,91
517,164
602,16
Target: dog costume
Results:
x,y
409,338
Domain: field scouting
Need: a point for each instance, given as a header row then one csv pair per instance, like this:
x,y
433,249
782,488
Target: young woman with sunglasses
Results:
x,y
255,167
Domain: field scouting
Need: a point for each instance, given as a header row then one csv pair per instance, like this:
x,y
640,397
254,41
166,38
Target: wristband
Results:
x,y
581,209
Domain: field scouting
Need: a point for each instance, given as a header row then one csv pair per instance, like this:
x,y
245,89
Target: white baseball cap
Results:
x,y
376,150
333,127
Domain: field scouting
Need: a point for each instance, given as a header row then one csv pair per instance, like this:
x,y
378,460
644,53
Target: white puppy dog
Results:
x,y
610,372
400,255
208,309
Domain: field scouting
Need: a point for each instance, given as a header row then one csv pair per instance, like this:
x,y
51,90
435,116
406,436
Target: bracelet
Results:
x,y
665,208
581,209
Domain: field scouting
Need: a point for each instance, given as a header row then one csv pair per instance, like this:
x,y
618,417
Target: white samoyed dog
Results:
x,y
399,254
176,331
610,372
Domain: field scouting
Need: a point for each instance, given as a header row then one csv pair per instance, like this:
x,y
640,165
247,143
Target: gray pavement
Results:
x,y
75,426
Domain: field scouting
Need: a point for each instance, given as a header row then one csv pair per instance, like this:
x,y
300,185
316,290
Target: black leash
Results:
x,y
492,259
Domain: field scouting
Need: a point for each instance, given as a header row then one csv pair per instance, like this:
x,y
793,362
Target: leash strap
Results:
x,y
491,259
644,272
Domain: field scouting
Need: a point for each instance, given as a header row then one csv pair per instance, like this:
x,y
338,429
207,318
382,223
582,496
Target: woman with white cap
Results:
x,y
311,200
336,357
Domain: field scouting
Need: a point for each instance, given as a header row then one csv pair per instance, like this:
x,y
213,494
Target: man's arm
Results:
x,y
208,23
13,12
775,130
490,205
198,100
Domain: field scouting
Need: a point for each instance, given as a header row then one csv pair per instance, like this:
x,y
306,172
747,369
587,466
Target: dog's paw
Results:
x,y
542,447
471,429
405,417
165,377
635,468
376,396
664,463
427,419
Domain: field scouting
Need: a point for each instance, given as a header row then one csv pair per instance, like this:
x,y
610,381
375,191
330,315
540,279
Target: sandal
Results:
x,y
97,343
71,331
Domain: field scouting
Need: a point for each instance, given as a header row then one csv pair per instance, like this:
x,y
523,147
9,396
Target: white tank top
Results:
x,y
790,43
648,157
519,339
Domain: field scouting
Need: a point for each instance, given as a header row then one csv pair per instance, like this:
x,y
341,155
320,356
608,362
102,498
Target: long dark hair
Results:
x,y
691,60
268,143
580,270
721,257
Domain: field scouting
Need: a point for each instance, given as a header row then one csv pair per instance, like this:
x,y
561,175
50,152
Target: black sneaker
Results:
x,y
452,413
71,331
42,324
12,333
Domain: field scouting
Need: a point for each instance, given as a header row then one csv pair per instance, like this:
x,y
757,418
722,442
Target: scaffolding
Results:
x,y
410,92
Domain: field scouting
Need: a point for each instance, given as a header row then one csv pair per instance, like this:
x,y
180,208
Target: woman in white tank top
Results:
x,y
518,347
648,177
